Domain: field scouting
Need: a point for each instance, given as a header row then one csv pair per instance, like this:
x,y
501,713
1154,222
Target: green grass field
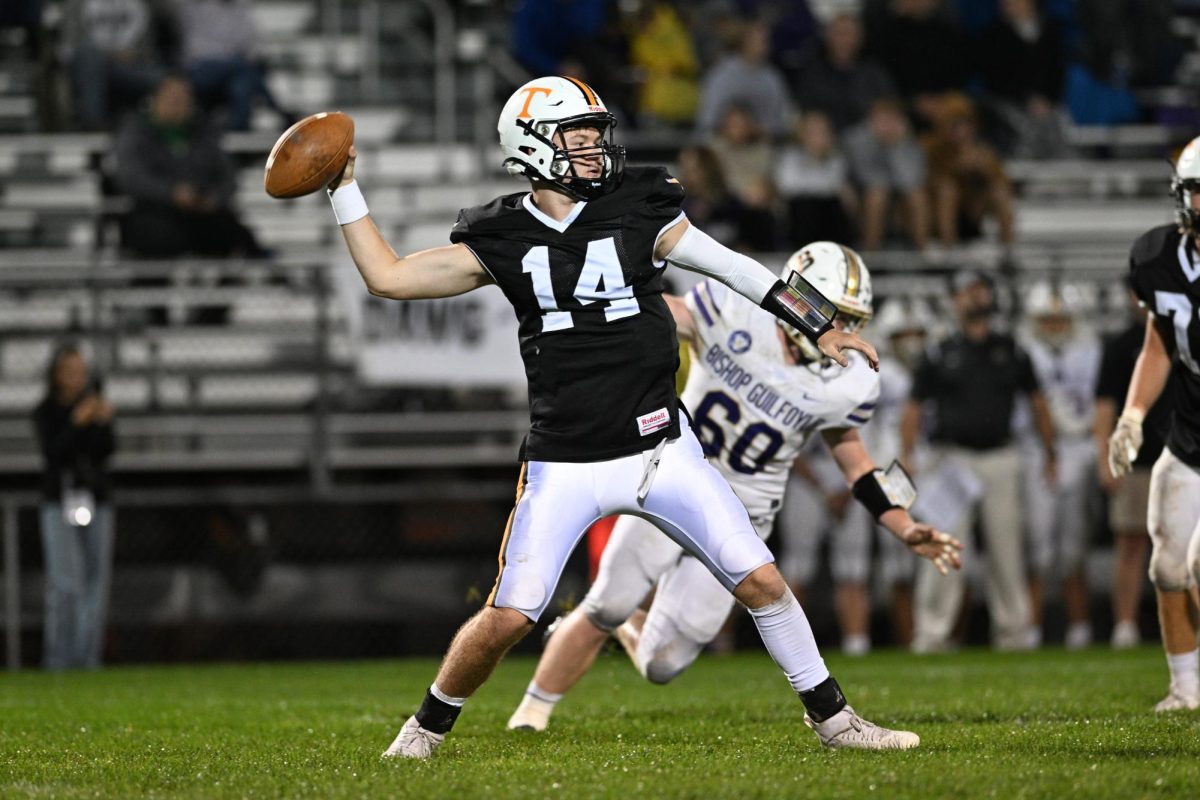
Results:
x,y
1051,724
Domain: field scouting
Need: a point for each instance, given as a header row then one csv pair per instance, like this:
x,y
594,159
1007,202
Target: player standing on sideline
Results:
x,y
1165,268
581,258
1066,359
759,390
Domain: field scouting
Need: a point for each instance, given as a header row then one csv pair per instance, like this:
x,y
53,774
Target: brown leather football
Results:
x,y
309,154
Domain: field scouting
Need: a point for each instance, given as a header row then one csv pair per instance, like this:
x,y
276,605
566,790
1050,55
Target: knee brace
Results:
x,y
1169,572
522,589
662,662
606,613
661,671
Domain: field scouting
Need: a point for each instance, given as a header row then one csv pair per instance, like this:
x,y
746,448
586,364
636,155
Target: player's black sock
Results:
x,y
823,700
436,715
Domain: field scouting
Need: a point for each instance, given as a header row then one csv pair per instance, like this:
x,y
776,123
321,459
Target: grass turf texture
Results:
x,y
1049,724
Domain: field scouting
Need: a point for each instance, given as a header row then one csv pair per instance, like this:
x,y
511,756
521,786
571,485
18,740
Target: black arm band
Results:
x,y
801,306
870,493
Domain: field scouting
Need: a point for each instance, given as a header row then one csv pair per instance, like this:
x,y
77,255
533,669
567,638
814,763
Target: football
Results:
x,y
309,154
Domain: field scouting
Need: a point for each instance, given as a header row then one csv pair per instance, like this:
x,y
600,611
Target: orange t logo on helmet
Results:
x,y
529,93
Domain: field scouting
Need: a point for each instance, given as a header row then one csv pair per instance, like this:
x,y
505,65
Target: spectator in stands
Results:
x,y
972,380
218,40
886,162
25,16
74,425
967,182
710,204
793,28
603,61
836,79
747,159
114,56
1022,62
169,160
1130,41
813,179
746,155
1129,496
925,54
662,50
545,32
745,77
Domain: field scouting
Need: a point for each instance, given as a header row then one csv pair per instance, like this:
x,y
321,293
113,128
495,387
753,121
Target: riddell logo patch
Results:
x,y
655,420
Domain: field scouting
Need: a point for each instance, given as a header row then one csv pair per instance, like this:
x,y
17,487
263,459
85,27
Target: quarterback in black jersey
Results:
x,y
580,258
1165,275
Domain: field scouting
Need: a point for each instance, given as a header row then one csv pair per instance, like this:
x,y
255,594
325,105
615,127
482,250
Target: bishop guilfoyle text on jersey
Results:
x,y
759,395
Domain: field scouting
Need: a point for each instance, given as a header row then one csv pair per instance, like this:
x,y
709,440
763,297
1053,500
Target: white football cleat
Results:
x,y
413,741
1079,636
532,715
847,729
1125,635
1178,701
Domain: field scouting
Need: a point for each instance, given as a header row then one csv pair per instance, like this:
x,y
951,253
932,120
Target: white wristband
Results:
x,y
349,205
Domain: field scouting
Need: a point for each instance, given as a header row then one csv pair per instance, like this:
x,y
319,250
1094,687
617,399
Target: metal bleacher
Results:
x,y
257,390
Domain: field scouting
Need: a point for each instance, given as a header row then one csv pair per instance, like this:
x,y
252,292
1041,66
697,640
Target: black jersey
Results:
x,y
1166,278
596,336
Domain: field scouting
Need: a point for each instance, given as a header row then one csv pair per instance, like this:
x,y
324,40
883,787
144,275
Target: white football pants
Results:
x,y
1056,520
558,501
690,604
1174,522
805,520
938,598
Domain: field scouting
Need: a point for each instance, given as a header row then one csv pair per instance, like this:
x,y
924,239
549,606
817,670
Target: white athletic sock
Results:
x,y
445,698
535,709
541,694
1185,671
789,639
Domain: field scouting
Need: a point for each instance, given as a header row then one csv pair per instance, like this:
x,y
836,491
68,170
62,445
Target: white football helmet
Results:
x,y
1054,307
839,273
1057,299
1184,184
545,107
901,314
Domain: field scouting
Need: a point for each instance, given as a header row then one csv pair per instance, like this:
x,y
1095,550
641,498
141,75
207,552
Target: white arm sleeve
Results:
x,y
696,251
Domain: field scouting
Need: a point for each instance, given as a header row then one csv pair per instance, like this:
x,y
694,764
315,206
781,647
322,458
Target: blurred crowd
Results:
x,y
871,122
114,53
167,78
876,123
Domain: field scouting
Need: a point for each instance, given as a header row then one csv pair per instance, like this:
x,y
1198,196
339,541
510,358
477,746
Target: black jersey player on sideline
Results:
x,y
1165,268
581,259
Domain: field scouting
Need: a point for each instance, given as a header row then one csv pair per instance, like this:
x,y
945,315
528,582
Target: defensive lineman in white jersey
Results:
x,y
756,395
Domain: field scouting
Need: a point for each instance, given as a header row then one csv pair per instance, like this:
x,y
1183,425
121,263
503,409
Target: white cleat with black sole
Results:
x,y
532,715
847,729
413,741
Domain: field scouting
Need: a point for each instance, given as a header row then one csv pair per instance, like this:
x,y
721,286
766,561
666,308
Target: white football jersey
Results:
x,y
752,410
1068,378
882,436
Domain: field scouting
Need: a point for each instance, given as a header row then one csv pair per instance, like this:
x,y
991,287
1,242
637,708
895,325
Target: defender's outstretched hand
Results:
x,y
834,343
928,542
347,174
